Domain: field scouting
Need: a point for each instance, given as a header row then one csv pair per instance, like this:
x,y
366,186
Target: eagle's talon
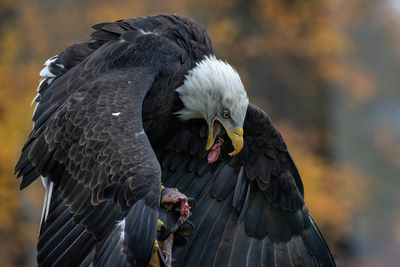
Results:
x,y
155,258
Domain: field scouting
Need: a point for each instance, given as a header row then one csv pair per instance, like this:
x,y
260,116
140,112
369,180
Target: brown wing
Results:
x,y
102,176
88,139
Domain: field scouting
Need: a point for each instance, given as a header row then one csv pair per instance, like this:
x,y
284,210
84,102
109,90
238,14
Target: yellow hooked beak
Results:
x,y
237,140
235,136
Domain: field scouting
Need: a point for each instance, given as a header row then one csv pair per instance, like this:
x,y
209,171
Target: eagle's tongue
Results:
x,y
215,150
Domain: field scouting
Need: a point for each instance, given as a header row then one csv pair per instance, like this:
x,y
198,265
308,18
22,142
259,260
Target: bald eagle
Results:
x,y
151,154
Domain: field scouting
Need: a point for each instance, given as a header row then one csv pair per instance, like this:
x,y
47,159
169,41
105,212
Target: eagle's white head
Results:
x,y
213,90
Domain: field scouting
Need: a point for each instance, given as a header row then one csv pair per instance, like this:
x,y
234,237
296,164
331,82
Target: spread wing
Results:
x,y
249,208
103,178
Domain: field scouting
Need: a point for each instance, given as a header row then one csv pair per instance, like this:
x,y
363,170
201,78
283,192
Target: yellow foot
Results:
x,y
159,225
155,258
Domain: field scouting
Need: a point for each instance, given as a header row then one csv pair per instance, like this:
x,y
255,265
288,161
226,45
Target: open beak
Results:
x,y
237,140
235,136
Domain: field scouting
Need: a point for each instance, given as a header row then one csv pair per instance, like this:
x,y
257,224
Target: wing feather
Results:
x,y
249,209
94,157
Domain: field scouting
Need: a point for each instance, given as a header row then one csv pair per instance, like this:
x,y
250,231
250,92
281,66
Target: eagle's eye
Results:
x,y
225,114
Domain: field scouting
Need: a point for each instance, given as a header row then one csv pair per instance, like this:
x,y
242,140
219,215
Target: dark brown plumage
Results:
x,y
106,136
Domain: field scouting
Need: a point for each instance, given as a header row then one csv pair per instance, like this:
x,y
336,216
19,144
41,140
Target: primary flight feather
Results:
x,y
141,109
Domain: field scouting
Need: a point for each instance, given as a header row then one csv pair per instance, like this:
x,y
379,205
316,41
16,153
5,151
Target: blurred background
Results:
x,y
327,72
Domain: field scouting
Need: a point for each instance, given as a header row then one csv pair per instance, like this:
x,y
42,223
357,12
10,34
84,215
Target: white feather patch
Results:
x,y
139,133
35,98
51,60
116,113
44,182
121,227
47,76
45,72
50,193
40,84
48,185
145,32
37,90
